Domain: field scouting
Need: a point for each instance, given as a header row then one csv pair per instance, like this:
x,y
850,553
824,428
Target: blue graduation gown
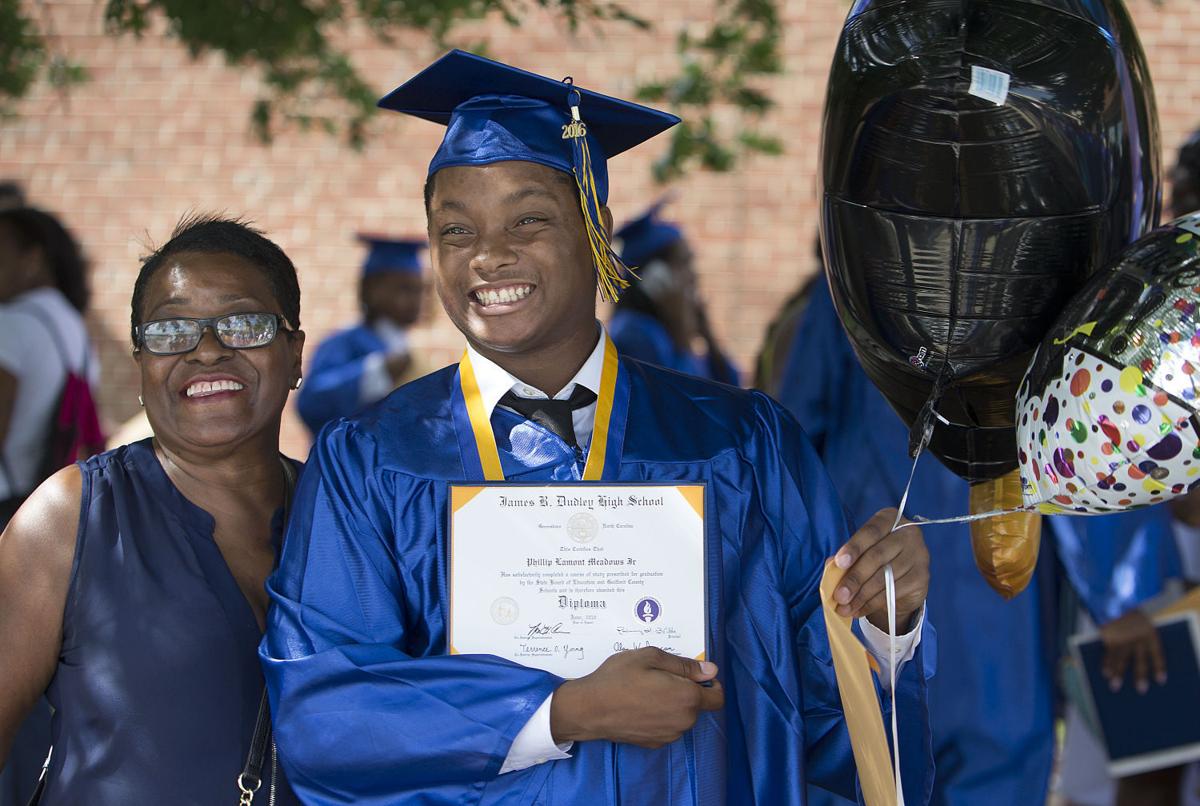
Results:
x,y
1117,562
369,708
641,336
991,654
331,387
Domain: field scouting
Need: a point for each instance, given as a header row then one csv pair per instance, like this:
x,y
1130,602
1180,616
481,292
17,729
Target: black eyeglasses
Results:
x,y
237,331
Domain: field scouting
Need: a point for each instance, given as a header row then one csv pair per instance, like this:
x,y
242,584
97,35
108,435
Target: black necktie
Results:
x,y
553,415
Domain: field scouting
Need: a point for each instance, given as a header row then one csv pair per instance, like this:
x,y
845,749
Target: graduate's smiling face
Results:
x,y
510,255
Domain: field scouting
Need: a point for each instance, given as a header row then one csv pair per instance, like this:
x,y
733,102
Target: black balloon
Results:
x,y
959,215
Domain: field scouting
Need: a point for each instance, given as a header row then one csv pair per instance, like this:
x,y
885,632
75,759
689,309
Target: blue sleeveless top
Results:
x,y
158,683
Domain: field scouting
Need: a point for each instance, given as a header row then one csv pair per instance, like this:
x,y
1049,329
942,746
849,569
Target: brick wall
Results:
x,y
155,134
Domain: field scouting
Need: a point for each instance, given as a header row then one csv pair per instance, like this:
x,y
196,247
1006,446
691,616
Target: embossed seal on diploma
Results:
x,y
582,527
505,610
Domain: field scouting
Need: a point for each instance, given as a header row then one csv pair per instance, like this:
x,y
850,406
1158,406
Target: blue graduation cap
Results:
x,y
646,236
496,113
391,254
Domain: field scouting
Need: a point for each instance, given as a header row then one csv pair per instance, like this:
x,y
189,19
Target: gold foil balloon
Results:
x,y
1005,546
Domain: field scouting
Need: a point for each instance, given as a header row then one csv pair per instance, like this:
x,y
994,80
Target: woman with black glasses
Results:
x,y
132,585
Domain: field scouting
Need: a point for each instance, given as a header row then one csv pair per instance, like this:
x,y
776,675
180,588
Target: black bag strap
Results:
x,y
251,777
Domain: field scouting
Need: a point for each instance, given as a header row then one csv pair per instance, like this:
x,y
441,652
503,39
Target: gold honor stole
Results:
x,y
485,439
852,666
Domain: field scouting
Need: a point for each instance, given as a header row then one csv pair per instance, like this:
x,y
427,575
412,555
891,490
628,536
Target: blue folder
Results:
x,y
1160,728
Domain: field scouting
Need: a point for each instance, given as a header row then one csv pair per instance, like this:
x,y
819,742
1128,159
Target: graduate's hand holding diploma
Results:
x,y
645,697
862,591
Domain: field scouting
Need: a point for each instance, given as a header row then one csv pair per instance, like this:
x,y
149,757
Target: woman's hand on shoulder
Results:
x,y
37,550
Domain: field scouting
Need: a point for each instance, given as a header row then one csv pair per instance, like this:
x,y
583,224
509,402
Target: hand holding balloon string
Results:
x,y
864,589
867,556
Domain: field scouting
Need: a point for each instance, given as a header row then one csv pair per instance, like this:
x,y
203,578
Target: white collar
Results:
x,y
494,381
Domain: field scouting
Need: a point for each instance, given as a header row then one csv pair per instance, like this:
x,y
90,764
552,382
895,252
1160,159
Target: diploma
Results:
x,y
560,577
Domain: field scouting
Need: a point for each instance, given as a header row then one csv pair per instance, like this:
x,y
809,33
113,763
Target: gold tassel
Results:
x,y
610,270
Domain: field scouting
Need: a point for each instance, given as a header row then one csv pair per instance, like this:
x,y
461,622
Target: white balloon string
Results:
x,y
918,520
890,581
912,472
908,486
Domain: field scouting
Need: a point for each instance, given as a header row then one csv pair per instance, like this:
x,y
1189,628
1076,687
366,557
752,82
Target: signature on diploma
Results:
x,y
539,630
668,632
633,630
569,652
620,646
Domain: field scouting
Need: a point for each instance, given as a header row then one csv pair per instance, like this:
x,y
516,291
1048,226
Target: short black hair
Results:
x,y
37,228
428,193
215,234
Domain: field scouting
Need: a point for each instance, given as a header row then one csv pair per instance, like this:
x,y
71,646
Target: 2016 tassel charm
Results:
x,y
610,270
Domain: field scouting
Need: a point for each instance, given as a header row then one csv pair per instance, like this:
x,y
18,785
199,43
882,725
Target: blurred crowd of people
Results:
x,y
1003,681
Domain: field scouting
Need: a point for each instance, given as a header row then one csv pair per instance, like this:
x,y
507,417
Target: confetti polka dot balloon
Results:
x,y
1107,413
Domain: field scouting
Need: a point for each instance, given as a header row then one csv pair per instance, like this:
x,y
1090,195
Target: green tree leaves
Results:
x,y
719,73
308,80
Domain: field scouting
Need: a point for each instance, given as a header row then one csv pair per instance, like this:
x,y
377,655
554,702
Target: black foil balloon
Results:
x,y
960,214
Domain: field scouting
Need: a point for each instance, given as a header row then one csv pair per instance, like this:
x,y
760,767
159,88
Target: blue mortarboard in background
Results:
x,y
391,254
645,236
497,113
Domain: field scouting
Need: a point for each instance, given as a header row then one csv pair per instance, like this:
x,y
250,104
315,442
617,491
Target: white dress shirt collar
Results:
x,y
494,381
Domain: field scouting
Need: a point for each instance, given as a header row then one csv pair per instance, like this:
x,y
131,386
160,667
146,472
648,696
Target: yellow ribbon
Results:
x,y
852,665
485,440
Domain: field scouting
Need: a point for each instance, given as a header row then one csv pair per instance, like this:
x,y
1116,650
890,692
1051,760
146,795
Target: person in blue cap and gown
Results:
x,y
992,704
370,708
1123,567
362,364
660,315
